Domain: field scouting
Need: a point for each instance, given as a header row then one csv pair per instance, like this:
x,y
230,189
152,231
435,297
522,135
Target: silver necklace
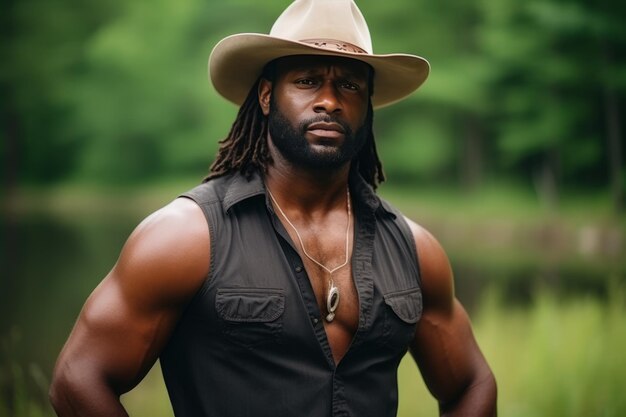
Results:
x,y
332,298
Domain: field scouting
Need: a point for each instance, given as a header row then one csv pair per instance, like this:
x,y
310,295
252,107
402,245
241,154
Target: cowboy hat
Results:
x,y
313,27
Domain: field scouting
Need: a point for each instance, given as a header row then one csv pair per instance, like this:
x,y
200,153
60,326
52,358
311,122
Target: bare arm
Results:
x,y
454,369
128,318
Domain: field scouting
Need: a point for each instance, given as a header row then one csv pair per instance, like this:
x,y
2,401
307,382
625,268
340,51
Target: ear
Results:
x,y
265,94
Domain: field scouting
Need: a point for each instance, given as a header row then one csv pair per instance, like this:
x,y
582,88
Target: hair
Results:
x,y
245,149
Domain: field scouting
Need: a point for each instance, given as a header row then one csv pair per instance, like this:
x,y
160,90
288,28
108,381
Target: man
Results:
x,y
283,286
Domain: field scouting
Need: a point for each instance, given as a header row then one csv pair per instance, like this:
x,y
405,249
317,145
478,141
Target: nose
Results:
x,y
327,100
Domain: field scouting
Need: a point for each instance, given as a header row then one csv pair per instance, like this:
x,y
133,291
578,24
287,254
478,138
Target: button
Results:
x,y
315,320
298,269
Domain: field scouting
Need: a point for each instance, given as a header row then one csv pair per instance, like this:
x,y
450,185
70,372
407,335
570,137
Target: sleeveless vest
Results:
x,y
252,342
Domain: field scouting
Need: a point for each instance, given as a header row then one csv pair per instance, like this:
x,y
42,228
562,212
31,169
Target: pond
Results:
x,y
52,260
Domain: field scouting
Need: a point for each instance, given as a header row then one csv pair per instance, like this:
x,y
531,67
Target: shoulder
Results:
x,y
173,233
182,214
435,270
168,252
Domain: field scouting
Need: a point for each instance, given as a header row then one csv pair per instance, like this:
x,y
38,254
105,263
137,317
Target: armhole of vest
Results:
x,y
409,238
201,195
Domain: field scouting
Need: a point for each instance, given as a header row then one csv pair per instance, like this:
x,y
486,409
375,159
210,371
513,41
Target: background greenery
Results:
x,y
117,92
512,153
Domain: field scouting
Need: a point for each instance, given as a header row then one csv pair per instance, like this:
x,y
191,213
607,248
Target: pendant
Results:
x,y
332,301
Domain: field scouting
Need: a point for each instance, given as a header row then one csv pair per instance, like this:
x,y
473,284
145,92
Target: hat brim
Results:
x,y
237,61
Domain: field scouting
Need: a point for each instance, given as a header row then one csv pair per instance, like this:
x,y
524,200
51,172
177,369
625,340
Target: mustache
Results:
x,y
327,118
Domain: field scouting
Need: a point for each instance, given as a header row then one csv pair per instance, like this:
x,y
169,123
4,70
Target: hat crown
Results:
x,y
339,20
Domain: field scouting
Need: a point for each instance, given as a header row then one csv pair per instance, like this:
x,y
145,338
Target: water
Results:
x,y
51,261
50,265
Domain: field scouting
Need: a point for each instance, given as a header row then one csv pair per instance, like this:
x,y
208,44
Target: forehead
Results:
x,y
322,63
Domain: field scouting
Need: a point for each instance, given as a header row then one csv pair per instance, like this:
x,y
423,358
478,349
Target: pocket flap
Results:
x,y
249,304
406,304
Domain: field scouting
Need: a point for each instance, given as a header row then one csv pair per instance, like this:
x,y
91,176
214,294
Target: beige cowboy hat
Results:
x,y
313,27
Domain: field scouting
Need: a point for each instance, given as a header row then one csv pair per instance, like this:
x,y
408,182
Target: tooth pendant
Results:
x,y
332,301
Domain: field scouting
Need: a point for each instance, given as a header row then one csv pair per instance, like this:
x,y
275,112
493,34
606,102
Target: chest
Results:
x,y
326,254
263,297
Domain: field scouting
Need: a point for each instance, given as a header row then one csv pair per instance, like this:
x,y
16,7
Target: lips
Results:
x,y
326,129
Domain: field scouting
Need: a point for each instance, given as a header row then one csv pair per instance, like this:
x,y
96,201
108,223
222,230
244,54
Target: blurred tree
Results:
x,y
550,112
144,101
437,134
611,37
118,91
41,50
443,132
134,92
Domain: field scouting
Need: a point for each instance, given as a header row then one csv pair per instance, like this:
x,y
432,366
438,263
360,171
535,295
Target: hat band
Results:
x,y
334,44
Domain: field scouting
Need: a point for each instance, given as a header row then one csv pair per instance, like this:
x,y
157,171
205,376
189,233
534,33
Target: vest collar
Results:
x,y
240,189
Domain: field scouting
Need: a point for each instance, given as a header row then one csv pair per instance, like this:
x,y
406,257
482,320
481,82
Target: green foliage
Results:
x,y
26,386
41,49
145,116
117,91
551,107
416,146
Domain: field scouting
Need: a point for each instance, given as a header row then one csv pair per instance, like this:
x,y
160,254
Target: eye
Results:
x,y
306,82
349,85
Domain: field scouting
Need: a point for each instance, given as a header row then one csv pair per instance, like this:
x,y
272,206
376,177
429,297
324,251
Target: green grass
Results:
x,y
568,356
24,387
560,358
556,358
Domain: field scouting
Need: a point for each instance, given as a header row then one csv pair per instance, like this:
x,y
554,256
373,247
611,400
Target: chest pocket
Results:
x,y
404,309
250,317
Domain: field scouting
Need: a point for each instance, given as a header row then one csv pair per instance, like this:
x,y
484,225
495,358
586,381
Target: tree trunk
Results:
x,y
546,180
472,157
614,148
613,125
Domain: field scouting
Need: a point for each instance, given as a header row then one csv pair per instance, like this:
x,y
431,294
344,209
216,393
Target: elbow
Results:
x,y
80,390
483,394
489,402
56,393
60,392
490,387
478,398
494,391
67,390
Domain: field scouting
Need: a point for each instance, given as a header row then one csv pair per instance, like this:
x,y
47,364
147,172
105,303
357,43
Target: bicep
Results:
x,y
446,352
444,346
115,340
128,318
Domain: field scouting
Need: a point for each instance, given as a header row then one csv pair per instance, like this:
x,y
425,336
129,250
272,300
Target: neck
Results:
x,y
301,188
302,197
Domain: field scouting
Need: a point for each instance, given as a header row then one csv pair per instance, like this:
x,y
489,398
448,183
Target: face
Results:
x,y
317,109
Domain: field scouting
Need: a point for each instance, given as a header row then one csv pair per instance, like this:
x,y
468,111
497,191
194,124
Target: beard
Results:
x,y
291,142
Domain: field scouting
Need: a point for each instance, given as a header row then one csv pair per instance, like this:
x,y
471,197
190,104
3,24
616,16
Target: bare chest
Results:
x,y
345,317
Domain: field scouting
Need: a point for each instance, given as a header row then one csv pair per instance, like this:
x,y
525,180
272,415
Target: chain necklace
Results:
x,y
332,298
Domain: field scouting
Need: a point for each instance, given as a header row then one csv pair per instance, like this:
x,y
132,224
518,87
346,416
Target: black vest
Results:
x,y
252,342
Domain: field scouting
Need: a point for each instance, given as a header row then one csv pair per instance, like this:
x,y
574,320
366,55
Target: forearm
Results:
x,y
73,398
478,400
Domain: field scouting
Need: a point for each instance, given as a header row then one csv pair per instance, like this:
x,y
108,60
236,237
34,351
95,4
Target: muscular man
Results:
x,y
283,285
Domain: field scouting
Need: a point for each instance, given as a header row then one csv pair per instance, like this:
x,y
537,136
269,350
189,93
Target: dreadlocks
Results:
x,y
245,148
